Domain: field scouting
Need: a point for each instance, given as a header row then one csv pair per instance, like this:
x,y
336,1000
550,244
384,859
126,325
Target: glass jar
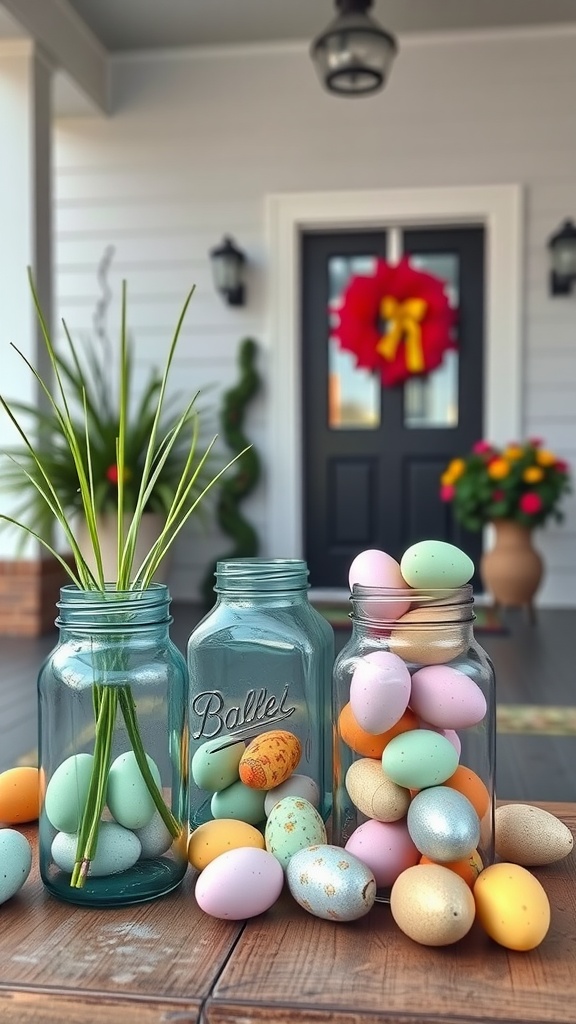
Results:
x,y
260,661
113,700
439,685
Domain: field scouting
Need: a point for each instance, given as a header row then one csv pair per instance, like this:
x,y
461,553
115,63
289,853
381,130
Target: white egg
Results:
x,y
15,862
117,850
329,882
154,838
296,785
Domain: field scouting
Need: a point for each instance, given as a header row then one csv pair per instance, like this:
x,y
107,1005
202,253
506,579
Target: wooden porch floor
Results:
x,y
534,666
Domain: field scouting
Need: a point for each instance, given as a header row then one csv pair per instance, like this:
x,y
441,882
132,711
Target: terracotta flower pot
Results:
x,y
150,529
512,570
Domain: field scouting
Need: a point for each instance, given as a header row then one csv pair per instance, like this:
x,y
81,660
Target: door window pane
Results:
x,y
432,401
353,394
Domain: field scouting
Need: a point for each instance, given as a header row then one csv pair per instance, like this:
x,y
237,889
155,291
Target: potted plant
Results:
x,y
94,401
514,488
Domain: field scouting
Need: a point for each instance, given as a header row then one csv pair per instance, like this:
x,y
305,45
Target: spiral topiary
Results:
x,y
235,486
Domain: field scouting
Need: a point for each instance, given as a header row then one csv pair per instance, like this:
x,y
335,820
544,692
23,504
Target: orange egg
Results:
x,y
19,795
365,743
468,867
465,781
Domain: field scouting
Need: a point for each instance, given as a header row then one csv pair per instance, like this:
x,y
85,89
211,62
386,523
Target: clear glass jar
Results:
x,y
433,631
113,699
261,660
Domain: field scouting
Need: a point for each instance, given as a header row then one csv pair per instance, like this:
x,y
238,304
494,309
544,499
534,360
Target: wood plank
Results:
x,y
288,965
53,1008
165,950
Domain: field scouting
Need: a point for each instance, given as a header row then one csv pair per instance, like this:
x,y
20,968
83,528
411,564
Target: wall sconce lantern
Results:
x,y
228,266
562,247
353,55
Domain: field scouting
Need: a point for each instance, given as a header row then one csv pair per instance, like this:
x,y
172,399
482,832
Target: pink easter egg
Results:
x,y
446,697
376,569
239,883
379,691
385,847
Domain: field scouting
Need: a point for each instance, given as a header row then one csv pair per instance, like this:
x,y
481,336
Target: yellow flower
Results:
x,y
545,458
513,451
498,469
455,469
532,475
446,479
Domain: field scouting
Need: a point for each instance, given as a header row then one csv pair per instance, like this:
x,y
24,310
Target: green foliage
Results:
x,y
522,482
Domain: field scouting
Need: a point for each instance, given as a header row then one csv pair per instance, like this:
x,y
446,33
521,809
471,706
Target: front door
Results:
x,y
372,455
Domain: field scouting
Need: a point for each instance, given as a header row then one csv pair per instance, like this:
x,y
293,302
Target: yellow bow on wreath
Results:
x,y
403,322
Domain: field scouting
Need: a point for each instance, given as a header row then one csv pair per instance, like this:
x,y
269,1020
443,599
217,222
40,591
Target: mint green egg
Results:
x,y
431,564
128,796
67,791
240,802
215,763
419,758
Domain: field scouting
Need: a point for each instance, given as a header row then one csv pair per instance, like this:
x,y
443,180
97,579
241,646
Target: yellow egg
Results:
x,y
208,841
530,836
426,636
432,905
19,795
512,906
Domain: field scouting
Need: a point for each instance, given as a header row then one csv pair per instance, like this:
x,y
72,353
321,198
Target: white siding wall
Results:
x,y
197,142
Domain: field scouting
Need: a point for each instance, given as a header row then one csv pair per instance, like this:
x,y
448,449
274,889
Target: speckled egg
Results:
x,y
240,802
155,839
446,697
214,838
270,759
443,824
512,906
128,797
419,758
385,847
425,636
329,882
67,791
364,743
376,569
432,905
296,785
215,763
530,836
379,691
373,793
15,862
292,825
239,884
435,563
117,849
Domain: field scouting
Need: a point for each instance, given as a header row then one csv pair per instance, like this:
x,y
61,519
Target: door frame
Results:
x,y
498,208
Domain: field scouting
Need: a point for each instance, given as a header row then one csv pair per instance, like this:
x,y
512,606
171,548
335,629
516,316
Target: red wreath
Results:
x,y
398,322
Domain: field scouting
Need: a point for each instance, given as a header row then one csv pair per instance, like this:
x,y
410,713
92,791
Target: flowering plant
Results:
x,y
524,482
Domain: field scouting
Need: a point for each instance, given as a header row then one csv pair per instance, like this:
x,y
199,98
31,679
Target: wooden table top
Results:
x,y
165,961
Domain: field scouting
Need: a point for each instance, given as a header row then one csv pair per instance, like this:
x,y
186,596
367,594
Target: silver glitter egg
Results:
x,y
443,824
331,883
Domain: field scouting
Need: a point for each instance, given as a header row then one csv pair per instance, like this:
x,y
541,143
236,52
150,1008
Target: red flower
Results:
x,y
498,495
481,447
447,492
536,442
112,474
561,466
360,328
530,503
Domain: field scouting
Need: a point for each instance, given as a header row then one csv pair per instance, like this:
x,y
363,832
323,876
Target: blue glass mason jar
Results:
x,y
414,718
260,661
113,738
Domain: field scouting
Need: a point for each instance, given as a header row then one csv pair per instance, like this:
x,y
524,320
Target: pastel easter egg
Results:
x,y
239,884
128,797
432,564
443,824
239,802
467,782
19,795
331,883
512,906
269,759
155,839
292,825
296,785
379,691
432,905
385,847
446,697
450,734
117,849
530,836
419,758
15,862
214,838
215,763
373,793
376,569
429,636
467,867
367,744
67,791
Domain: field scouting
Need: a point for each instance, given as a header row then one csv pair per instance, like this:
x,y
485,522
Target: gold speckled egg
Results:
x,y
373,793
331,883
530,836
432,905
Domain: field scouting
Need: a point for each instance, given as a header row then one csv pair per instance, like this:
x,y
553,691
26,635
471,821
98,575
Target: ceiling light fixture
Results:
x,y
354,54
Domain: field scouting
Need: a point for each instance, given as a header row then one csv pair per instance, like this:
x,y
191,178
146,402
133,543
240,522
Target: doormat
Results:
x,y
538,719
487,618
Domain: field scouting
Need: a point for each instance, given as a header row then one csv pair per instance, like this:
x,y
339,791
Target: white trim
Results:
x,y
497,207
